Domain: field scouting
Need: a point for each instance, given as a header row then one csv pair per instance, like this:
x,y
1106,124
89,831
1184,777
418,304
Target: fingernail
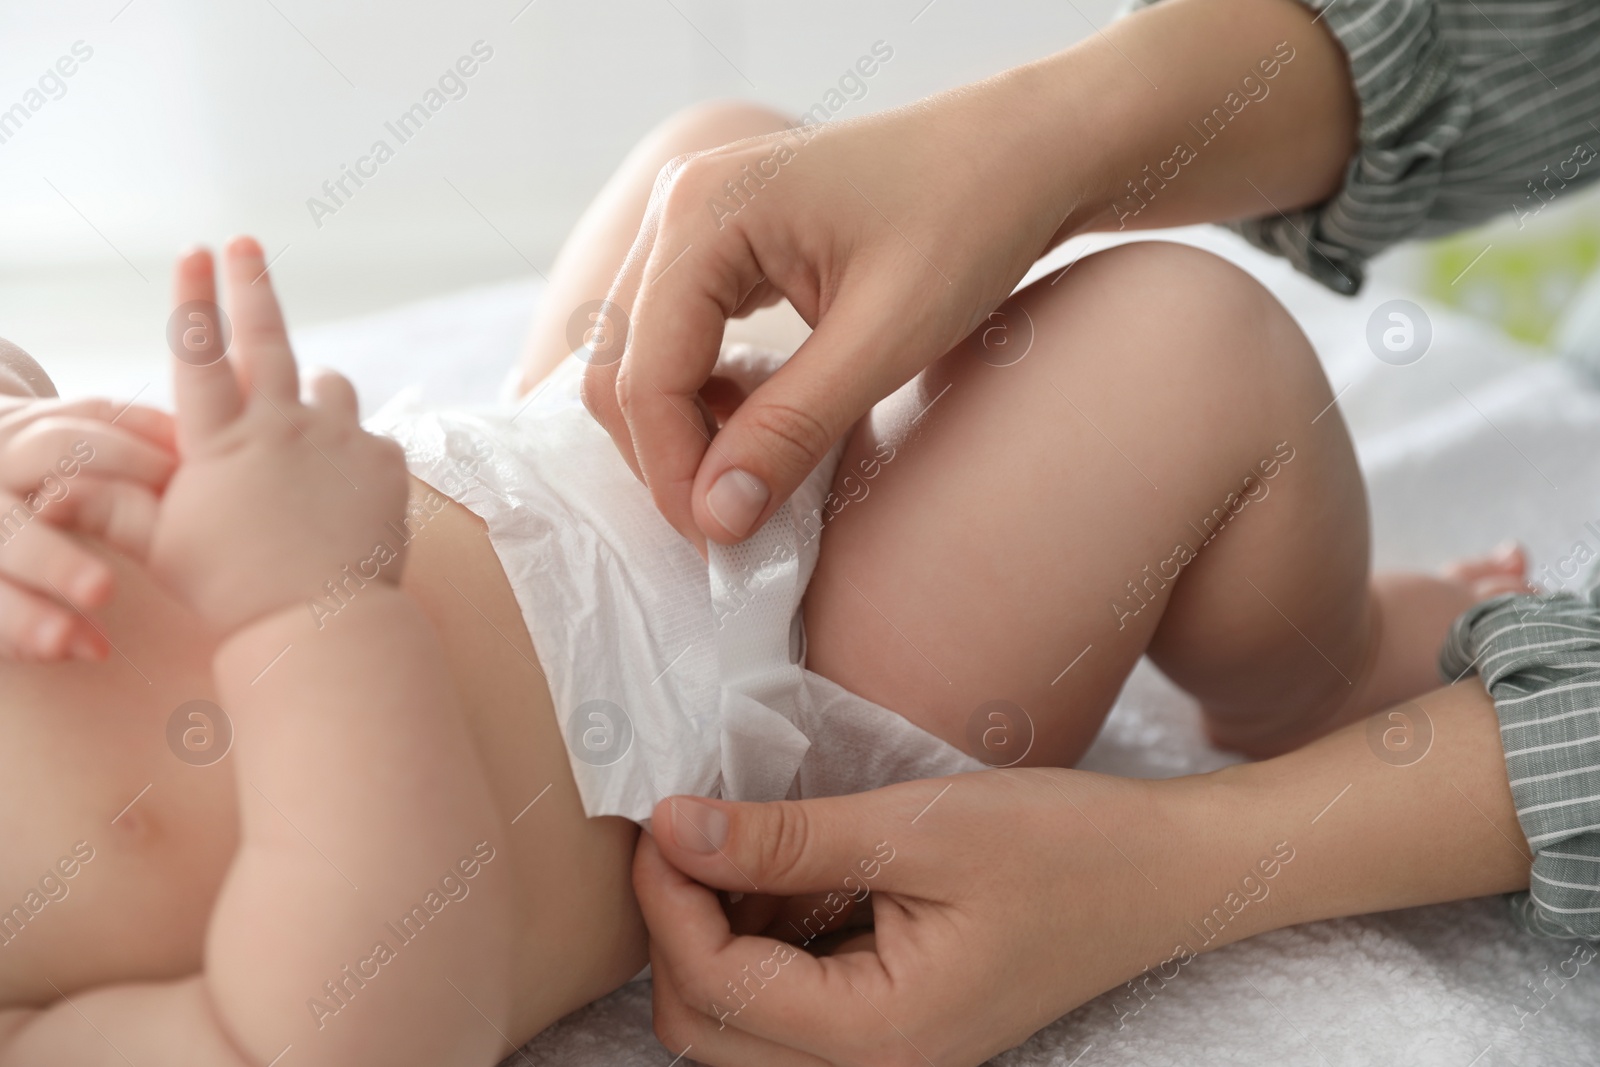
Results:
x,y
699,827
49,634
736,500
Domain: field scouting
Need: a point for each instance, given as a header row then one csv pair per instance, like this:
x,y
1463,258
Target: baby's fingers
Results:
x,y
120,513
152,425
204,383
156,426
59,449
39,557
258,329
333,393
33,628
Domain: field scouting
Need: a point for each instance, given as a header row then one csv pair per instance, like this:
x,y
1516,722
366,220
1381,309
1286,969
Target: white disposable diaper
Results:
x,y
669,675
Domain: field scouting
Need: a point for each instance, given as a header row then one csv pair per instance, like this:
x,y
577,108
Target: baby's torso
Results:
x,y
120,819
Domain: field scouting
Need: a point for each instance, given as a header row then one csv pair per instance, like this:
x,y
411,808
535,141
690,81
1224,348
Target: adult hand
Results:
x,y
1003,899
890,253
1000,902
895,235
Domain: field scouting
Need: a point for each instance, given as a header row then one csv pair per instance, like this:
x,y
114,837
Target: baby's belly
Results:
x,y
89,902
113,846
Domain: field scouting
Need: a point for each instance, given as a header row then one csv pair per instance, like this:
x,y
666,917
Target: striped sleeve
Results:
x,y
1470,109
1539,658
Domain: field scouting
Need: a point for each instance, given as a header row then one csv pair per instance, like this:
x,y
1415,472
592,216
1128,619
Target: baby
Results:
x,y
319,763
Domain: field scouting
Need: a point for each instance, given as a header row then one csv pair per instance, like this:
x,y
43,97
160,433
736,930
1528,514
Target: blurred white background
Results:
x,y
196,119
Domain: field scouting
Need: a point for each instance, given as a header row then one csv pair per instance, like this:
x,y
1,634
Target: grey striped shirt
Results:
x,y
1470,109
1539,658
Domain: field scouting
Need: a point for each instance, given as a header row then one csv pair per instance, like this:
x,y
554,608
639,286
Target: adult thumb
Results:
x,y
785,847
782,431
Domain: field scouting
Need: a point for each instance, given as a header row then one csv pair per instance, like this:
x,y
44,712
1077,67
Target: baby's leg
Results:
x,y
1161,472
595,250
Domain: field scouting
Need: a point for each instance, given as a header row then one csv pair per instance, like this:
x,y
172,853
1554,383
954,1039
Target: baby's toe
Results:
x,y
1509,561
1497,585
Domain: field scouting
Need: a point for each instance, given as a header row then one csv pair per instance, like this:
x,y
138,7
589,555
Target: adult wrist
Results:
x,y
1388,827
1231,861
1058,118
1273,812
1194,111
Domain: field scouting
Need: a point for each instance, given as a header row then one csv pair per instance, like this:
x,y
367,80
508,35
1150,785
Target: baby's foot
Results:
x,y
1414,613
1505,570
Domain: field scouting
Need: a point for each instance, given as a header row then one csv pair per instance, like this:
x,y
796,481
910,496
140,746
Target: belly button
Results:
x,y
131,823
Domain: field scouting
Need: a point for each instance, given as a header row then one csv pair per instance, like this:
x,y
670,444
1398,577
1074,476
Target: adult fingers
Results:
x,y
799,920
721,397
694,1034
752,913
204,383
602,362
778,435
802,920
811,917
764,295
681,295
844,845
696,275
259,334
761,986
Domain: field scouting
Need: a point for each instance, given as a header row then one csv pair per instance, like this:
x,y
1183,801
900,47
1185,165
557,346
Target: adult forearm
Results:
x,y
1192,111
1376,827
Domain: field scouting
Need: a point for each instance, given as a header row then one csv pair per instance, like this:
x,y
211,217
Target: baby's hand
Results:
x,y
93,467
273,497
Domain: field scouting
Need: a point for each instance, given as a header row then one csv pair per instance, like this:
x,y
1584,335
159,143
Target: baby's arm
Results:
x,y
359,742
363,807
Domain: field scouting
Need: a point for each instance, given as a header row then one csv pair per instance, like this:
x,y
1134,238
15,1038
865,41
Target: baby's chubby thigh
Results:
x,y
1001,525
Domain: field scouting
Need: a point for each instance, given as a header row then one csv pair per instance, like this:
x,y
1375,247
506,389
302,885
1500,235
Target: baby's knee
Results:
x,y
1180,287
1193,315
711,123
